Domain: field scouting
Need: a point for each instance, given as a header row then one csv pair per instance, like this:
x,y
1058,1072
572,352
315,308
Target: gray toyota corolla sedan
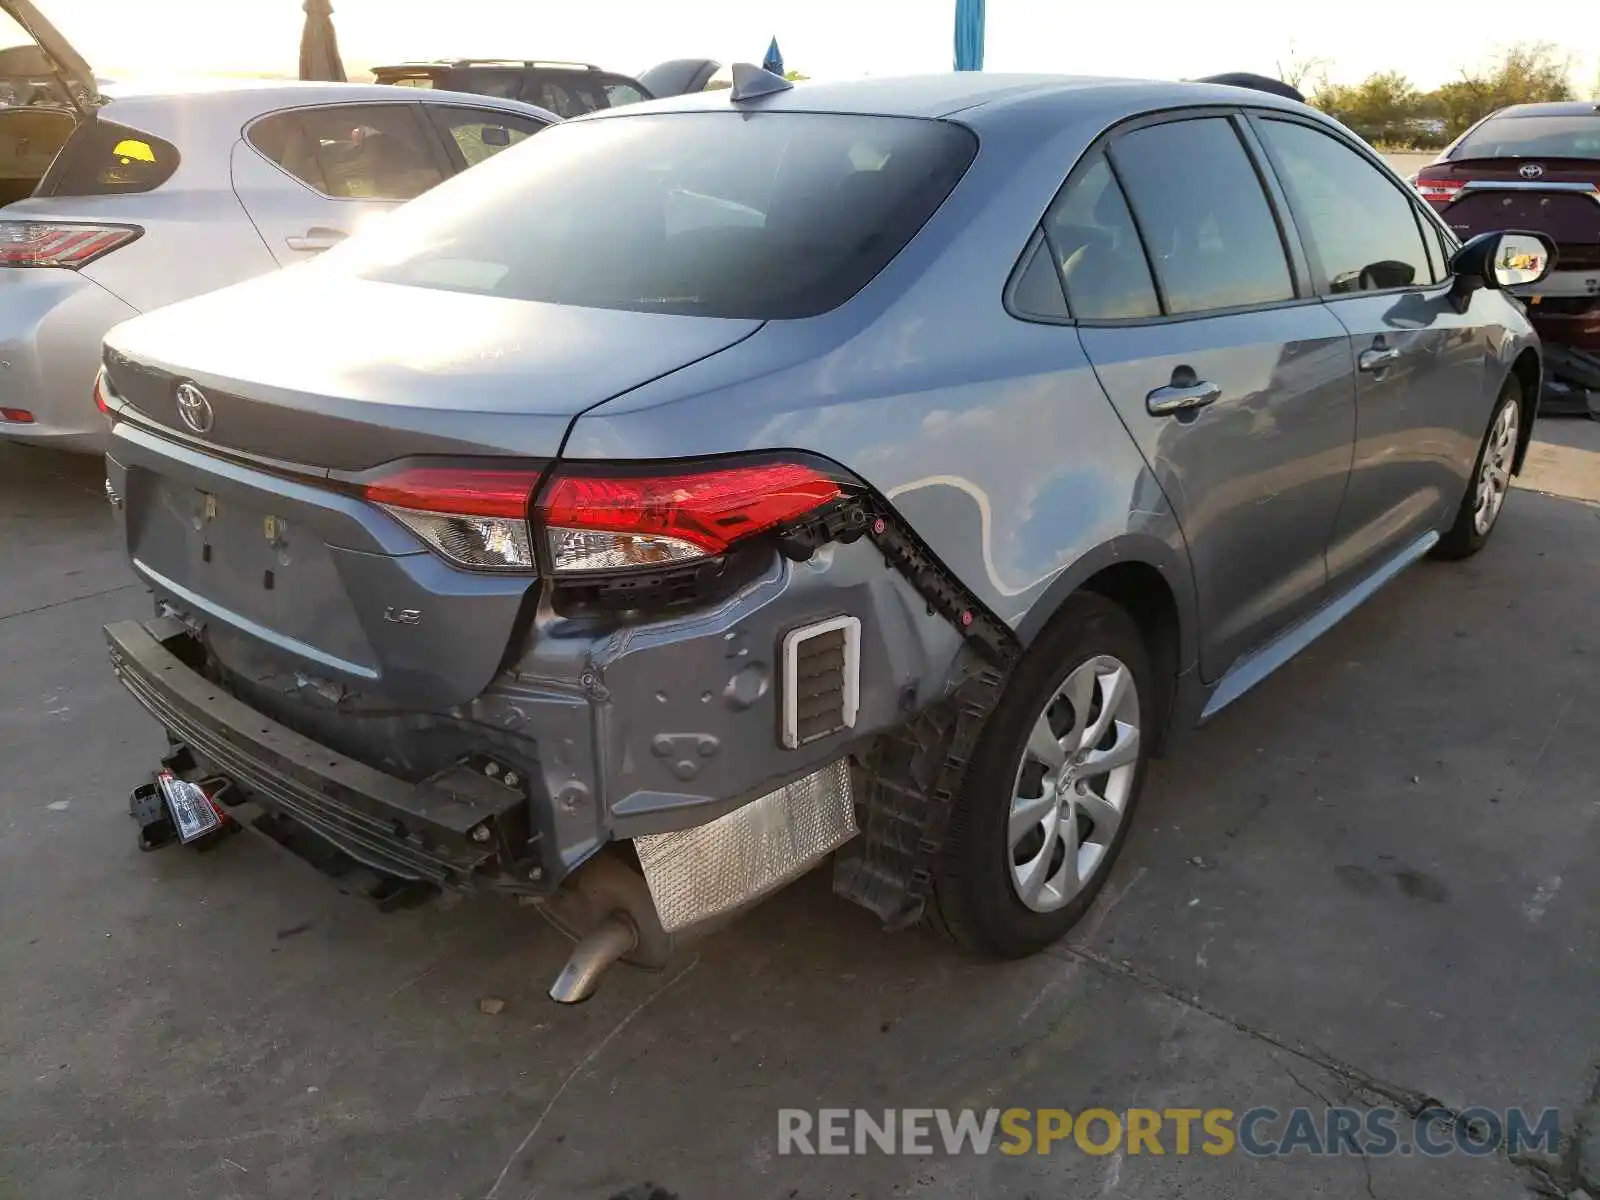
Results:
x,y
879,470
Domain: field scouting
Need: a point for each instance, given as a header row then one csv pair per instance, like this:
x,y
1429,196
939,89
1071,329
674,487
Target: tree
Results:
x,y
1382,108
1524,74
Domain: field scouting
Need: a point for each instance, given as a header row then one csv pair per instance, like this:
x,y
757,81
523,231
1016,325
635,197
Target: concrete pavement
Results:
x,y
1372,881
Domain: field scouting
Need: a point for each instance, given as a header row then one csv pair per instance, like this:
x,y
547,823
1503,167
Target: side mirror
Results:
x,y
496,135
1503,260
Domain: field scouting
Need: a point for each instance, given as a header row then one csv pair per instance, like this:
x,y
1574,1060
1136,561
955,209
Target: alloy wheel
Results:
x,y
1494,476
1073,783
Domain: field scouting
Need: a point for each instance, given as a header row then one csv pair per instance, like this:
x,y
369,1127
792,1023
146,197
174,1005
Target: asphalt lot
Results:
x,y
1376,876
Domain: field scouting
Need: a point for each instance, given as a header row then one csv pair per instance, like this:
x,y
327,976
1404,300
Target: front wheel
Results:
x,y
1052,786
1491,479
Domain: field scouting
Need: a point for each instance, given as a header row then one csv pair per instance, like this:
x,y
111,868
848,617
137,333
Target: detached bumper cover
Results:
x,y
416,831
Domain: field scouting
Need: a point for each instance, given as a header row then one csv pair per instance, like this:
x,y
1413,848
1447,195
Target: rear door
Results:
x,y
1192,306
1421,398
309,177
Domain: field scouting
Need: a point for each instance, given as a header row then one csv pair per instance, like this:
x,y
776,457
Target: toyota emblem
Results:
x,y
1530,170
194,408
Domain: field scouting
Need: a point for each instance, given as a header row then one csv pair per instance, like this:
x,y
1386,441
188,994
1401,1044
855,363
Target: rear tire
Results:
x,y
1490,484
1053,785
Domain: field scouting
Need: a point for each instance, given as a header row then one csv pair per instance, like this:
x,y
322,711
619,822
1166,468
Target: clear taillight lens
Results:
x,y
59,244
604,521
474,517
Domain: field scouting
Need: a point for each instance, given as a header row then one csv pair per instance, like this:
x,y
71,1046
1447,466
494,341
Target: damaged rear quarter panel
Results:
x,y
647,728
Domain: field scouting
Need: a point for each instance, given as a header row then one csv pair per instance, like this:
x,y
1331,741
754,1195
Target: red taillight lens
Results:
x,y
1439,192
100,387
475,517
606,522
16,416
59,244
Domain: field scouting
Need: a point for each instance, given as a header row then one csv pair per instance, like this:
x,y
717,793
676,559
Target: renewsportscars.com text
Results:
x,y
1258,1132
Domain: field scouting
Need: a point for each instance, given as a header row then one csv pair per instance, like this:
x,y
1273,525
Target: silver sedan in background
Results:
x,y
158,197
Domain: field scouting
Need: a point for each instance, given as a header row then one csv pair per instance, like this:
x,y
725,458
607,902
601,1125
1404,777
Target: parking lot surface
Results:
x,y
1374,880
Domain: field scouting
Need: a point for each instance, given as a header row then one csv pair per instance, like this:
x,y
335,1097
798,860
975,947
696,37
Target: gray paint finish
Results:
x,y
1023,452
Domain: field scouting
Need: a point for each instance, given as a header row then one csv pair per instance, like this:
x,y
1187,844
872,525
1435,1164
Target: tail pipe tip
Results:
x,y
615,936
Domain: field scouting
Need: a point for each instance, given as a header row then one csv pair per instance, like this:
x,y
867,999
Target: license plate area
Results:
x,y
226,553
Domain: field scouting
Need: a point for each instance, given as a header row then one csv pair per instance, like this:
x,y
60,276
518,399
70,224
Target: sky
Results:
x,y
1429,40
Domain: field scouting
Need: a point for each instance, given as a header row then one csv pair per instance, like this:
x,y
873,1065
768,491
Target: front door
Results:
x,y
1236,386
1422,395
309,177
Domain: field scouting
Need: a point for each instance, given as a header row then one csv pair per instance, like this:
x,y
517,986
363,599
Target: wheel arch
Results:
x,y
1151,580
1528,371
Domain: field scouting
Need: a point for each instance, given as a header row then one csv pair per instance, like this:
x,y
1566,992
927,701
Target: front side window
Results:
x,y
102,158
479,134
1204,216
352,151
720,214
1096,246
1358,222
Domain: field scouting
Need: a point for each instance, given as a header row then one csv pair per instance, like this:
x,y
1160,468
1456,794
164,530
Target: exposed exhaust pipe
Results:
x,y
606,908
609,941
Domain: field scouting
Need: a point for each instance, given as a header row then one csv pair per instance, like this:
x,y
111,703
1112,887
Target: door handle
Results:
x,y
1378,358
316,240
1178,398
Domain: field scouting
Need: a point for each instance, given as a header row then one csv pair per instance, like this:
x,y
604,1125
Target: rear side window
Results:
x,y
1205,219
564,95
1358,221
352,151
621,91
1096,246
103,158
503,82
1575,136
722,214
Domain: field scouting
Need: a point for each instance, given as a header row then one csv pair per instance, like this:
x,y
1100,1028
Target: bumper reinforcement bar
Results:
x,y
420,831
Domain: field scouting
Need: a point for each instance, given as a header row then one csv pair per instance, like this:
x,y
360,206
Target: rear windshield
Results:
x,y
103,158
748,215
1576,136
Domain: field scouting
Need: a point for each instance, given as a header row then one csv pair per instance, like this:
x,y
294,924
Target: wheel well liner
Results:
x,y
1528,371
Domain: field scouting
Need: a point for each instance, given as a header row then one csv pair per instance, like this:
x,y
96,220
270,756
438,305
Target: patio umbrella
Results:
x,y
319,48
774,60
969,35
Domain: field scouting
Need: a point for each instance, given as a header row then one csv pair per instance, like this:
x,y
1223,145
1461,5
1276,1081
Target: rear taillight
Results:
x,y
59,244
16,416
101,387
599,520
474,517
1439,192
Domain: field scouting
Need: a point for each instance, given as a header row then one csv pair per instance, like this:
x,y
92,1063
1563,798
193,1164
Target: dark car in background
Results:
x,y
1537,166
567,88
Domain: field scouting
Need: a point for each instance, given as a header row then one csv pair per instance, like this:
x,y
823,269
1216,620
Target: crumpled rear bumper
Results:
x,y
616,730
422,832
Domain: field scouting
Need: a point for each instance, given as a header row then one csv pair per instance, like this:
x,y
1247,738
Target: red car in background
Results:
x,y
1537,167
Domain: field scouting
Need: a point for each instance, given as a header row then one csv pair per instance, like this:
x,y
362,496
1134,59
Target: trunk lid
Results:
x,y
249,526
337,373
1559,197
69,66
